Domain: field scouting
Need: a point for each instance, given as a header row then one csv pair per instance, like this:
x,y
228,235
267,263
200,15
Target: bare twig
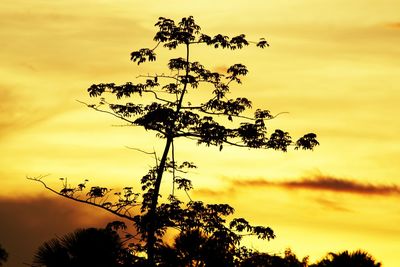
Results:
x,y
106,111
39,180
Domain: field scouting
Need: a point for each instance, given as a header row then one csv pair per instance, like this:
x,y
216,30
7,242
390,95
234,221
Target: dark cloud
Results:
x,y
394,25
325,183
317,183
27,222
342,185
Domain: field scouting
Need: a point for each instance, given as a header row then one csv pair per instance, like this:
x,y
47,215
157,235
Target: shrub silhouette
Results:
x,y
82,248
3,255
348,259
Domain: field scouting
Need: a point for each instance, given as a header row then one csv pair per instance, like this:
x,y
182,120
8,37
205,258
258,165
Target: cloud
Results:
x,y
27,222
221,69
20,110
328,183
394,25
212,193
317,183
332,205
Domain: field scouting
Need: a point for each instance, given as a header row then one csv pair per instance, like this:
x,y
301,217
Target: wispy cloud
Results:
x,y
221,68
332,204
325,183
341,185
20,110
393,25
316,183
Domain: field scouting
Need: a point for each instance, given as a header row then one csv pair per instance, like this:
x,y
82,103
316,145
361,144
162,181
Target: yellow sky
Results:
x,y
333,65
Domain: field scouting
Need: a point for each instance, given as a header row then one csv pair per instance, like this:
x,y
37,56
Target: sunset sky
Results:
x,y
334,66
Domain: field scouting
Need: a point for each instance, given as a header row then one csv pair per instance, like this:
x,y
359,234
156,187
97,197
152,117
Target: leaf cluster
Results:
x,y
171,117
186,32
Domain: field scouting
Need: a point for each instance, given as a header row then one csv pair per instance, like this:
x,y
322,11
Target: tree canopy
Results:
x,y
104,247
171,116
167,105
3,255
346,258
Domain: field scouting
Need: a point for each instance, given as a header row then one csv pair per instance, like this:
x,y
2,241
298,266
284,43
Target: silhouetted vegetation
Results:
x,y
84,247
345,258
103,247
3,255
257,259
168,105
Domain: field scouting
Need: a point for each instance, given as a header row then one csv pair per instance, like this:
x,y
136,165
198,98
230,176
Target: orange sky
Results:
x,y
333,65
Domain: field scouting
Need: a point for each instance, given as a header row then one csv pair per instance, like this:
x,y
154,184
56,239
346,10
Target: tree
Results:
x,y
81,248
355,259
257,259
172,113
204,239
193,248
3,255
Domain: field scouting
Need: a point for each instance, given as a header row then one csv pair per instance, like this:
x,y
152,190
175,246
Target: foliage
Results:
x,y
83,247
357,259
166,104
3,255
195,248
257,259
171,116
103,247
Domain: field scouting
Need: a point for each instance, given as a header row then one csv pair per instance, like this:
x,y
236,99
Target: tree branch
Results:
x,y
159,98
106,111
39,179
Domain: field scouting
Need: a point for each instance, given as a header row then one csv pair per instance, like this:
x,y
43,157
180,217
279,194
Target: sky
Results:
x,y
333,66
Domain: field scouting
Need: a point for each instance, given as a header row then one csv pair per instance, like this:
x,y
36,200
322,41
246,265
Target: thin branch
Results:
x,y
105,111
158,76
124,125
225,114
138,149
118,116
155,157
159,98
278,114
78,200
191,135
235,144
156,46
173,166
201,108
187,194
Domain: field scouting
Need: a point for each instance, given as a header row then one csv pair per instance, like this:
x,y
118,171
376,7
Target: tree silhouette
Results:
x,y
204,239
192,248
174,111
195,248
82,248
3,255
354,259
257,259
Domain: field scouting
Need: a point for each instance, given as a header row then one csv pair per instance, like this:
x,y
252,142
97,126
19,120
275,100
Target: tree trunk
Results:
x,y
151,230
